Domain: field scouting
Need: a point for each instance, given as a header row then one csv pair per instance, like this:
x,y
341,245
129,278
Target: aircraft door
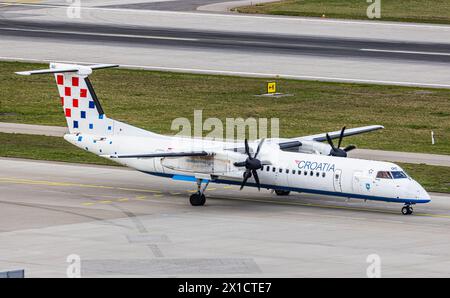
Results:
x,y
357,180
337,180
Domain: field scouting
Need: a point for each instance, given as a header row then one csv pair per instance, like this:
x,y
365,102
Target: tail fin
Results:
x,y
82,109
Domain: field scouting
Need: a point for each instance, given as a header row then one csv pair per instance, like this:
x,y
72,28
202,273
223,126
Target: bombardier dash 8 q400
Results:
x,y
303,164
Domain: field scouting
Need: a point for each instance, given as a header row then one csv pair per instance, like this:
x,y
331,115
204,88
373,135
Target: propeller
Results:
x,y
251,164
337,151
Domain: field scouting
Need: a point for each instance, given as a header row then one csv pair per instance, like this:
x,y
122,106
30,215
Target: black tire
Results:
x,y
405,210
280,192
197,199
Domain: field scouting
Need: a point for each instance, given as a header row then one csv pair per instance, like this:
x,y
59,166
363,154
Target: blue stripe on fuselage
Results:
x,y
312,191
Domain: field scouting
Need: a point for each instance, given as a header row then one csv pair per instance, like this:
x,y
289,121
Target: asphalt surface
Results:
x,y
124,223
264,46
226,41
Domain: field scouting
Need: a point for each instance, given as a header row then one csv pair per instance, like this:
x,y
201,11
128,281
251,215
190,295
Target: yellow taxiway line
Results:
x,y
158,193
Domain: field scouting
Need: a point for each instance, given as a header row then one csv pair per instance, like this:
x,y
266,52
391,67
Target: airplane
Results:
x,y
303,164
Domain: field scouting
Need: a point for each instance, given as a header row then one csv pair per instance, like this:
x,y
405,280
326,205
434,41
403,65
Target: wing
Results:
x,y
163,154
335,134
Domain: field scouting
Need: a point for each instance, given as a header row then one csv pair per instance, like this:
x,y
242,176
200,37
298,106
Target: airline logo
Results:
x,y
315,166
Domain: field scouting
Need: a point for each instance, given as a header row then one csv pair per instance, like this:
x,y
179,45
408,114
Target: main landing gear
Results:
x,y
198,198
280,192
407,209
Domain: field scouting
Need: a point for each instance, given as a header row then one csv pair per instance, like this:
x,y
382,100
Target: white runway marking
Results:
x,y
101,34
406,52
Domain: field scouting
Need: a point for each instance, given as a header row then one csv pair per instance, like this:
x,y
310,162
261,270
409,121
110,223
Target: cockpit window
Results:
x,y
398,174
384,175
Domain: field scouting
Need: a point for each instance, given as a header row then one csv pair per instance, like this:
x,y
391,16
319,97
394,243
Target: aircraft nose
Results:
x,y
419,193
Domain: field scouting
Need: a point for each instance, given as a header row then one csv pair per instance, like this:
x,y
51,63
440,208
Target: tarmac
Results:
x,y
124,223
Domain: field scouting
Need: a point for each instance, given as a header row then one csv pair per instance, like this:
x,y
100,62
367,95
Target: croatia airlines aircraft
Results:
x,y
303,164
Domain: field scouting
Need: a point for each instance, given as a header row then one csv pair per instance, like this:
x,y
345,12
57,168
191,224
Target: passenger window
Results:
x,y
323,174
299,172
311,173
273,169
293,171
384,175
281,170
287,171
317,174
305,173
268,168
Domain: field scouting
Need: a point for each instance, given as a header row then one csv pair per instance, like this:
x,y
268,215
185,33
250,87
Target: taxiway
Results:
x,y
125,223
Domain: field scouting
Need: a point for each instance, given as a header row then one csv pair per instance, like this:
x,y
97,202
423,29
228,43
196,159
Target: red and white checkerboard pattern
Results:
x,y
79,108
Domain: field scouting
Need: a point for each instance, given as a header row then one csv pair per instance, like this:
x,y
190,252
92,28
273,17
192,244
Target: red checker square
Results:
x,y
75,103
67,91
75,81
83,92
68,113
60,79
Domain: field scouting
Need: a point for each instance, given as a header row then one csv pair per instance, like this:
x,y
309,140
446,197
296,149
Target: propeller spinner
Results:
x,y
337,151
251,164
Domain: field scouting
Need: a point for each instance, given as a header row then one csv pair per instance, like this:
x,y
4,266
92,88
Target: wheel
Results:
x,y
197,199
406,210
282,192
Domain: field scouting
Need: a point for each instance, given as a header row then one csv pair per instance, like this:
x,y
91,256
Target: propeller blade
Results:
x,y
341,137
349,148
247,174
255,175
330,141
247,149
259,148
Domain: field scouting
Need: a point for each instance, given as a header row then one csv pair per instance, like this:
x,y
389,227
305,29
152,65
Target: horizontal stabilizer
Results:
x,y
44,71
63,68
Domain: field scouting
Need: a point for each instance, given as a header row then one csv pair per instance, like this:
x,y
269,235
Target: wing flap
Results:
x,y
163,154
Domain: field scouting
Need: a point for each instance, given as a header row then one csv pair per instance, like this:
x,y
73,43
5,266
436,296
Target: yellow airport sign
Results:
x,y
271,87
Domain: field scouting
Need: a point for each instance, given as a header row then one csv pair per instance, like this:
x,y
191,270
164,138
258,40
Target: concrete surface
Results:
x,y
227,6
425,63
43,130
124,223
396,156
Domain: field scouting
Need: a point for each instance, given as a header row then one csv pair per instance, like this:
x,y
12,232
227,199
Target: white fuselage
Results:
x,y
291,171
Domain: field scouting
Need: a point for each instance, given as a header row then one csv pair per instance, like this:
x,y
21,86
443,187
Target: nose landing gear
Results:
x,y
407,209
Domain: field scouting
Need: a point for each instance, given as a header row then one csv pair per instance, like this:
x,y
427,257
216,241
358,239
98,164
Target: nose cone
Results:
x,y
419,193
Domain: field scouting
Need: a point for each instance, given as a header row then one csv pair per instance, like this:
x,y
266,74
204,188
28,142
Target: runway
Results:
x,y
227,41
300,48
124,223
